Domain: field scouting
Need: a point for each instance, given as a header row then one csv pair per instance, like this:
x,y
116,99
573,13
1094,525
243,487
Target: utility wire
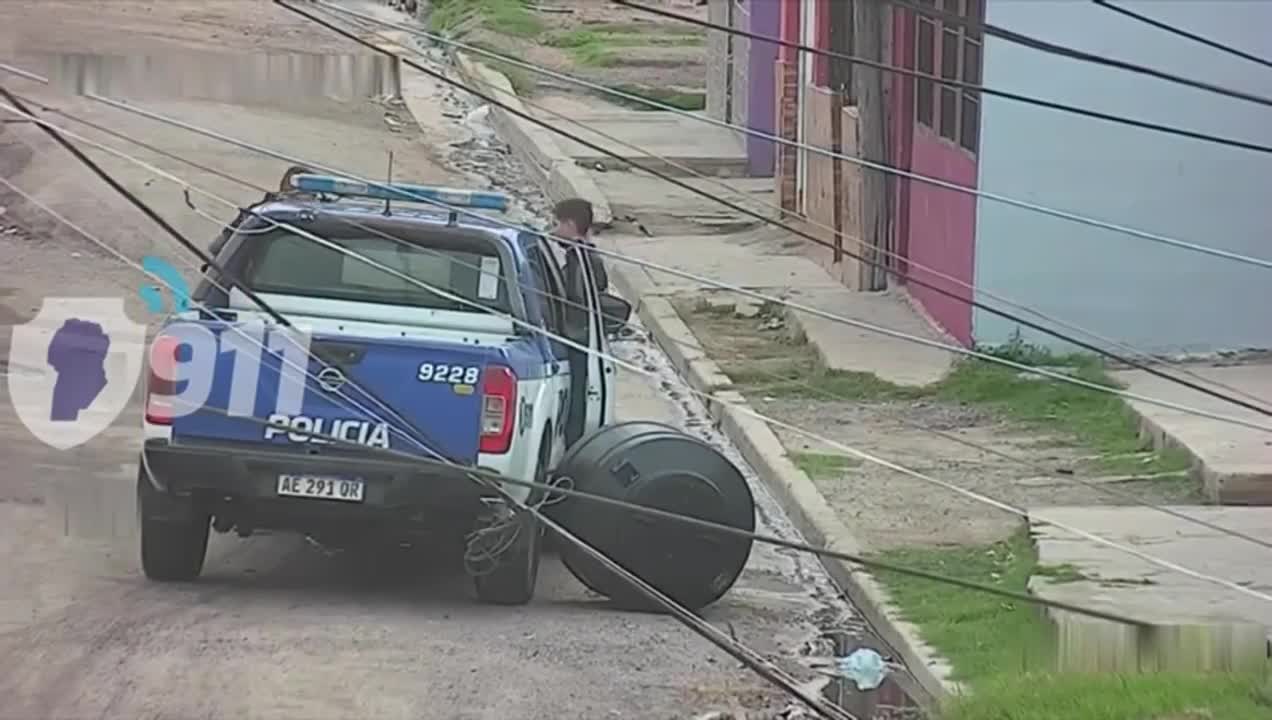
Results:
x,y
1256,403
743,654
815,149
1016,38
602,499
951,437
953,83
899,172
737,407
1180,367
734,206
1222,47
1021,367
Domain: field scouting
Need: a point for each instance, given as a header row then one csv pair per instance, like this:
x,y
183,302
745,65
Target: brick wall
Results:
x,y
786,77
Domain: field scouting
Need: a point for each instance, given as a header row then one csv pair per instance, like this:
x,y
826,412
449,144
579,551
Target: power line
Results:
x,y
1021,367
1098,487
815,149
749,658
883,167
738,208
951,82
740,408
861,244
613,502
1183,33
1016,38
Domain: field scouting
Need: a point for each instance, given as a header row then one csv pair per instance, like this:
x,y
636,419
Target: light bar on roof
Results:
x,y
332,185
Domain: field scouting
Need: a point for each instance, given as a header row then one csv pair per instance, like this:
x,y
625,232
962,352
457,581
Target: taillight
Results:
x,y
160,385
498,409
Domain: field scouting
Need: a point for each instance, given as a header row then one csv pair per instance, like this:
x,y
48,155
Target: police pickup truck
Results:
x,y
233,441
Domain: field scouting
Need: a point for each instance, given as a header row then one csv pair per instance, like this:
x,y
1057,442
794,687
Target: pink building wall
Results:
x,y
942,226
935,227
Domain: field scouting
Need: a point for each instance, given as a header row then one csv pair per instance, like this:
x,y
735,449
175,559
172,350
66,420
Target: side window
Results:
x,y
550,281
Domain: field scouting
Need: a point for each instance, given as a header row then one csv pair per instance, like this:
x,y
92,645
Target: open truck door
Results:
x,y
605,312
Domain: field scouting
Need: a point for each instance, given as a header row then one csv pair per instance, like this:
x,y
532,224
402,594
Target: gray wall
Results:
x,y
1157,298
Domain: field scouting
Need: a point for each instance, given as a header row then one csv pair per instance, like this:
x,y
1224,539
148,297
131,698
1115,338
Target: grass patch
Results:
x,y
679,99
1157,696
1004,650
980,633
601,46
1100,421
522,80
506,17
823,465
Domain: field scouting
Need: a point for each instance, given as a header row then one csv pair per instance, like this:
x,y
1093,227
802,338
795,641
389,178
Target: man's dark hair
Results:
x,y
577,211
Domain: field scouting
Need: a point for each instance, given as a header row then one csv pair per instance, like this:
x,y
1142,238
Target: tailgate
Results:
x,y
436,386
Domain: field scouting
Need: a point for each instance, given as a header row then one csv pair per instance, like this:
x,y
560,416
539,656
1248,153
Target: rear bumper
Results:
x,y
244,478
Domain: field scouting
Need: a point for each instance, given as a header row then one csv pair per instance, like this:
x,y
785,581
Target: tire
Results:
x,y
513,580
171,551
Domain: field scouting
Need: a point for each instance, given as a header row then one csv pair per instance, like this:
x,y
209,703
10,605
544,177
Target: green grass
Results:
x,y
506,17
600,46
1165,696
1003,650
1099,421
823,465
679,99
980,633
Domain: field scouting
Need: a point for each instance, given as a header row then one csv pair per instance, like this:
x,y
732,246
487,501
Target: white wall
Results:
x,y
1154,297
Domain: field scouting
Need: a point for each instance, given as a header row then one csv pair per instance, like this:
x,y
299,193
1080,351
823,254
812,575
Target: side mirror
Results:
x,y
615,312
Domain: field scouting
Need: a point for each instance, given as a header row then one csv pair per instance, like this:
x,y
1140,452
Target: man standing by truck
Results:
x,y
574,225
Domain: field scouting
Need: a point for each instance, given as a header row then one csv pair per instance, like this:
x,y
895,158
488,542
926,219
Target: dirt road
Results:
x,y
278,628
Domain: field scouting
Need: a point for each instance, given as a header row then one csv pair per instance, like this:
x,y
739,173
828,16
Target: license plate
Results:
x,y
320,486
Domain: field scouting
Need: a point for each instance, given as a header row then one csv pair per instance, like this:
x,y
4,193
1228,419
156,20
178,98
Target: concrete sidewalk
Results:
x,y
707,246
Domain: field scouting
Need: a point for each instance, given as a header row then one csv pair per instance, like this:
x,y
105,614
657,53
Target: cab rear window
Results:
x,y
286,263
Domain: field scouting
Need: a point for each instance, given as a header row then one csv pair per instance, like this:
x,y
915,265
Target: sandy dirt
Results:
x,y
278,628
885,509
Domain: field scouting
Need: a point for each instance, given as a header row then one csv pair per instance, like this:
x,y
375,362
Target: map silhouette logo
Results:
x,y
73,368
77,353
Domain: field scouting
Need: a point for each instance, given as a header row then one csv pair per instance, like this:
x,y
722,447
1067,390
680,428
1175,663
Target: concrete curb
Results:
x,y
793,489
561,177
554,171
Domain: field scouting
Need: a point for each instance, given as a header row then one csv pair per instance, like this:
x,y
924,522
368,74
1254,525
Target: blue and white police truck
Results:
x,y
238,438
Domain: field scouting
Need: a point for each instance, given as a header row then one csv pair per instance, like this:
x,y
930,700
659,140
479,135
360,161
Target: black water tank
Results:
x,y
658,466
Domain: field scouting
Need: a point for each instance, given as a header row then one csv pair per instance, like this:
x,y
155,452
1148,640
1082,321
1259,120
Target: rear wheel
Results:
x,y
172,548
512,580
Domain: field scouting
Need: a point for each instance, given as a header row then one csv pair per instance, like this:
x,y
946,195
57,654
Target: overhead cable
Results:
x,y
910,264
1050,48
602,499
1215,44
749,658
759,134
1100,487
1021,367
953,83
734,206
742,408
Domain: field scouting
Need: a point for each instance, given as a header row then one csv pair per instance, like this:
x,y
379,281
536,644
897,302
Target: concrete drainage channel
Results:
x,y
835,628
